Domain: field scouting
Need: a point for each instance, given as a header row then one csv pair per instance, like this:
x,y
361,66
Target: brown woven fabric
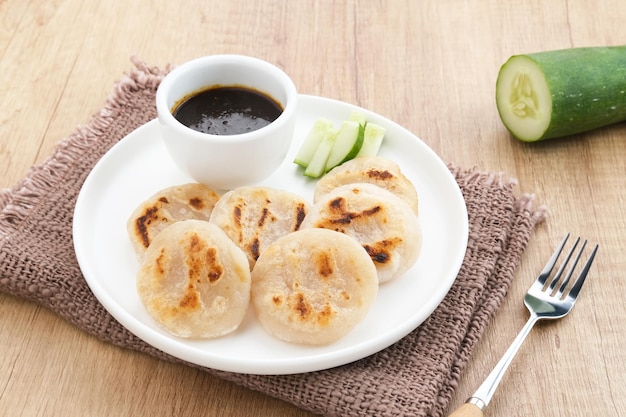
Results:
x,y
414,377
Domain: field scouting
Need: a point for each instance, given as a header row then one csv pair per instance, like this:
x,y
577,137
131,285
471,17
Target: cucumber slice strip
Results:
x,y
317,165
372,140
317,133
347,144
357,145
560,93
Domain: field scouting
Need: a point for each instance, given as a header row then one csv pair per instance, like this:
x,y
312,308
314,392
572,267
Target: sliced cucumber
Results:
x,y
326,147
358,116
319,130
373,136
559,93
317,165
347,143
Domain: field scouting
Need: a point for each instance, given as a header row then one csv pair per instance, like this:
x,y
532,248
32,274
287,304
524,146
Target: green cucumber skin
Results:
x,y
587,86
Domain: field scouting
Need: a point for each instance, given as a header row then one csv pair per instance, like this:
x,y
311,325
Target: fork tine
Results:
x,y
571,268
557,276
573,294
547,270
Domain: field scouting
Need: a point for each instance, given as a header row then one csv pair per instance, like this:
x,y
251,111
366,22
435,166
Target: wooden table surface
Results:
x,y
430,66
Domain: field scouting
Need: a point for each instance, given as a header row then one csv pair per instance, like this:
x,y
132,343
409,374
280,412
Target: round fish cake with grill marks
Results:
x,y
382,222
373,170
254,217
172,204
313,286
194,281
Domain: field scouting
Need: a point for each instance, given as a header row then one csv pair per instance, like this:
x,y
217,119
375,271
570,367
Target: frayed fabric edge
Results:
x,y
523,202
18,201
526,203
475,176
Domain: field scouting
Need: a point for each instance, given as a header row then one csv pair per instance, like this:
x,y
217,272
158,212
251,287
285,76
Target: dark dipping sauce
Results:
x,y
227,110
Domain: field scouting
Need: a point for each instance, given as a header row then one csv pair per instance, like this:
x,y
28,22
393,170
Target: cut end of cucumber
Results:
x,y
358,116
523,98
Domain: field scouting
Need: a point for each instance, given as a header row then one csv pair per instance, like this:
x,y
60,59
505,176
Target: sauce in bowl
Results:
x,y
227,110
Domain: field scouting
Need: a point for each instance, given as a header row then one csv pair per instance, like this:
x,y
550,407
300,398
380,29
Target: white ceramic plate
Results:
x,y
138,166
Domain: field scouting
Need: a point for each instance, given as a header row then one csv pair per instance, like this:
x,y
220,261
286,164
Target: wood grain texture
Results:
x,y
430,66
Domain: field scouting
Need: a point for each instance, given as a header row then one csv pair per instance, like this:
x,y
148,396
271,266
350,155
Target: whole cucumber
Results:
x,y
559,93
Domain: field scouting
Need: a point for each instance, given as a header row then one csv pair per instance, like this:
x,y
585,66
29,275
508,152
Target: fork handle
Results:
x,y
467,410
476,404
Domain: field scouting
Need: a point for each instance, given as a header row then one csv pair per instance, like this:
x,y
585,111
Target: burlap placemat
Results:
x,y
414,377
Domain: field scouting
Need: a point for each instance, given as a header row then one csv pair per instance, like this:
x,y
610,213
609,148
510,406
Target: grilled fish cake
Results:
x,y
194,281
313,286
254,216
172,204
374,170
381,221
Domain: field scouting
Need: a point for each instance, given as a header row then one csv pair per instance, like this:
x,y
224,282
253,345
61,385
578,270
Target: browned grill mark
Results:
x,y
337,207
340,215
300,215
237,215
337,204
193,260
379,174
265,213
380,252
371,211
237,218
160,263
143,221
200,256
304,311
197,203
200,259
255,248
190,300
301,306
324,316
215,268
324,264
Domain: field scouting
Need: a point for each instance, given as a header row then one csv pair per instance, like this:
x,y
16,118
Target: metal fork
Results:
x,y
544,301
